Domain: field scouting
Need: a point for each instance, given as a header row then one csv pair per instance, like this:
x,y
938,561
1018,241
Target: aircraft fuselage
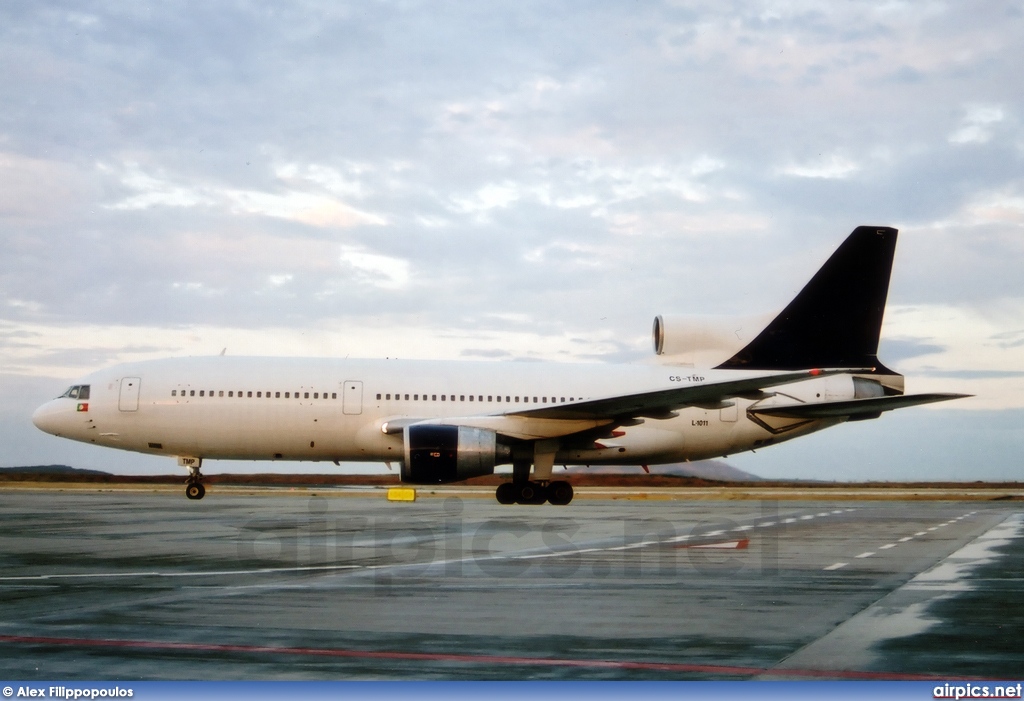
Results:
x,y
326,409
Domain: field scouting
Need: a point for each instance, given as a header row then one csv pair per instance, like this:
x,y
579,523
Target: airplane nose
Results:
x,y
47,418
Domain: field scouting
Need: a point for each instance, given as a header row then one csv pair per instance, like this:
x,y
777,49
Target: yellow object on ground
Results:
x,y
401,494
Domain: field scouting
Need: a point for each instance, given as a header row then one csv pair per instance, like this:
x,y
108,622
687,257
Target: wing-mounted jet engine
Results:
x,y
439,454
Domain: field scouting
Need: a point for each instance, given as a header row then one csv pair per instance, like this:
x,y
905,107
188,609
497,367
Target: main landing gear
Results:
x,y
194,488
557,492
522,490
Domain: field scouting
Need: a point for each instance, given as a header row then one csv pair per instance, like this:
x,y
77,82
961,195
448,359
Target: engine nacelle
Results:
x,y
704,341
439,454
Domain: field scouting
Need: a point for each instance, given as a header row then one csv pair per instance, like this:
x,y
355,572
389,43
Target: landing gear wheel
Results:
x,y
559,493
194,488
531,493
505,493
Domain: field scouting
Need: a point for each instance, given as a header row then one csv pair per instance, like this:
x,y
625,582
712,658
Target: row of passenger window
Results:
x,y
258,395
479,398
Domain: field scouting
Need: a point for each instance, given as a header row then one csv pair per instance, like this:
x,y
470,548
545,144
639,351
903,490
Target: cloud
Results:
x,y
978,124
36,191
1010,339
43,350
302,207
155,192
964,349
485,353
375,269
567,254
314,209
831,167
327,177
490,196
1005,206
894,351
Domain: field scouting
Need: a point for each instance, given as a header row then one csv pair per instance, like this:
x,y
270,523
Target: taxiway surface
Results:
x,y
297,585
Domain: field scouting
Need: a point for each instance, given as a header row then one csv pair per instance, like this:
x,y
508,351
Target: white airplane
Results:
x,y
714,388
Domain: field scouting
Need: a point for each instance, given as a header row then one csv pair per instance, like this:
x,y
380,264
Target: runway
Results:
x,y
133,585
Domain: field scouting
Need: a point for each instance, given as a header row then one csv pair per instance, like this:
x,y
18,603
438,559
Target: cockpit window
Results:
x,y
77,392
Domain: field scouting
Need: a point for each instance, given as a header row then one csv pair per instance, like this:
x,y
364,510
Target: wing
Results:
x,y
661,403
623,410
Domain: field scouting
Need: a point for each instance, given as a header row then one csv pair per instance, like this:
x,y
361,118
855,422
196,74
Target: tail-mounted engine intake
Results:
x,y
703,340
438,454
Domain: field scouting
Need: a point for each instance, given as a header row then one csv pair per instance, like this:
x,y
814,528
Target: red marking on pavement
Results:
x,y
742,544
724,670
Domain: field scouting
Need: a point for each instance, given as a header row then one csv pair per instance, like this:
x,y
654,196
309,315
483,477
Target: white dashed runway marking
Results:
x,y
905,539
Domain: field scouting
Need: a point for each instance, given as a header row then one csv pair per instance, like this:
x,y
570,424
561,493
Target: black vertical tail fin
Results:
x,y
836,319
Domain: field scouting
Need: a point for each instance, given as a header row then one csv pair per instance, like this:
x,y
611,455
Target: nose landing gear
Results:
x,y
194,488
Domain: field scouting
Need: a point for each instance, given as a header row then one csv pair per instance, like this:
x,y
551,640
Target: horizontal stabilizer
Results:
x,y
853,407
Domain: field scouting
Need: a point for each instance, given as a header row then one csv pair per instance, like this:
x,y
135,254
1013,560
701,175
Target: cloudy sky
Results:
x,y
506,181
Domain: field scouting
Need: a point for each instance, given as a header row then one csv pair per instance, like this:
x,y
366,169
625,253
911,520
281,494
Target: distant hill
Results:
x,y
50,470
715,470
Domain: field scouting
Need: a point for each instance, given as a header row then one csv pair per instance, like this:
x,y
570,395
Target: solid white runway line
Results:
x,y
153,573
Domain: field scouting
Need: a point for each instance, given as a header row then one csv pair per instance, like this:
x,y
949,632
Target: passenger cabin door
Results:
x,y
352,397
128,400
